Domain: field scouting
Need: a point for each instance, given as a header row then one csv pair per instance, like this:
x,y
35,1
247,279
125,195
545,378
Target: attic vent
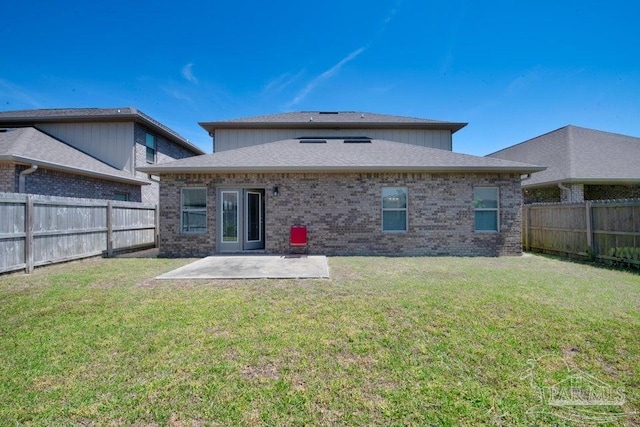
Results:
x,y
313,141
357,141
328,112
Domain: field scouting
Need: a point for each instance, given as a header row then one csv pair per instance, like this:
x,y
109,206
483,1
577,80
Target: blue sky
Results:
x,y
511,69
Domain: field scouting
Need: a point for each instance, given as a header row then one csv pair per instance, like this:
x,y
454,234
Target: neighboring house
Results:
x,y
582,164
85,152
345,177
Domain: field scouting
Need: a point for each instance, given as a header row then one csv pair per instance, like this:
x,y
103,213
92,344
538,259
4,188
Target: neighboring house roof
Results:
x,y
30,146
580,155
84,115
331,119
336,155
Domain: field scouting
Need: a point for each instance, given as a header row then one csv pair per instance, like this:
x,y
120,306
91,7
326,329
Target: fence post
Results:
x,y
156,230
28,234
109,229
527,225
588,213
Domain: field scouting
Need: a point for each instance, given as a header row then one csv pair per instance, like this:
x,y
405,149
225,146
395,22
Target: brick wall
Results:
x,y
165,152
343,213
54,183
7,178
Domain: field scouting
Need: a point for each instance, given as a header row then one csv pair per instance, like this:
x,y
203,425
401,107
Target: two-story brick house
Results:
x,y
85,152
360,183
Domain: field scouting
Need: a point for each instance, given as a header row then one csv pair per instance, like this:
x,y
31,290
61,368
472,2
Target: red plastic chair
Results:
x,y
298,236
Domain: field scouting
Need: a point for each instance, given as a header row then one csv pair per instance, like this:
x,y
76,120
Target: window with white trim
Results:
x,y
394,209
486,205
194,210
150,142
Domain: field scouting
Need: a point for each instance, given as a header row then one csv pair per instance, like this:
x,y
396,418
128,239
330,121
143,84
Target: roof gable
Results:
x,y
578,154
28,145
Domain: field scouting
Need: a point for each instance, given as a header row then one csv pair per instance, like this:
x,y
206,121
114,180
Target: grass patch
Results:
x,y
385,341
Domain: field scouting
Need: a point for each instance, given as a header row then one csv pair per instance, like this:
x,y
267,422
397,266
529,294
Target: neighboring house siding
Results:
x,y
108,142
165,152
54,183
229,139
7,178
343,213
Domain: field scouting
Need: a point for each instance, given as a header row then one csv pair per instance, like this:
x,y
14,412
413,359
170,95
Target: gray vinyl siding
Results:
x,y
112,143
229,139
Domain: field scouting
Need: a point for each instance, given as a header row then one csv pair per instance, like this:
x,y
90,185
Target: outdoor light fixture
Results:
x,y
275,191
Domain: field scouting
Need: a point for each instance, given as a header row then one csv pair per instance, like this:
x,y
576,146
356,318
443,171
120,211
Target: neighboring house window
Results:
x,y
486,208
120,196
194,210
394,209
150,141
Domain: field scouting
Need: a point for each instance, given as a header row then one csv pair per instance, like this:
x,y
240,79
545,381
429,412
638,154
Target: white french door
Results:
x,y
241,220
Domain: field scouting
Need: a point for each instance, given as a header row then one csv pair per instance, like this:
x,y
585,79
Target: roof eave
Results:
x,y
69,169
451,126
429,169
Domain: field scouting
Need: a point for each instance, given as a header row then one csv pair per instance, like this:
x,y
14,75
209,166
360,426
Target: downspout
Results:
x,y
21,177
528,176
563,188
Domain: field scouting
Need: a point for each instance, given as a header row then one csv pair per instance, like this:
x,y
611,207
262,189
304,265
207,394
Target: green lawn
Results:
x,y
385,341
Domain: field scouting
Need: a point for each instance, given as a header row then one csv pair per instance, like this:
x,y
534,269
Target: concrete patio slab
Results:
x,y
253,267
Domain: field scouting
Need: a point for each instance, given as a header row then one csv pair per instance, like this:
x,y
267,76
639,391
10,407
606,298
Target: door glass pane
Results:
x,y
253,217
229,216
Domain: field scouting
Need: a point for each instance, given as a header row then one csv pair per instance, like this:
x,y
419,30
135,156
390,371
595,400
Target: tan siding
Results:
x,y
109,142
229,139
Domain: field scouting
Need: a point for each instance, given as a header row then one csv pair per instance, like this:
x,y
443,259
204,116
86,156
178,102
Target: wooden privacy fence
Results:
x,y
37,230
607,230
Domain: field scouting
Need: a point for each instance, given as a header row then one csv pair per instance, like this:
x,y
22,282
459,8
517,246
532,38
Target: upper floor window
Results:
x,y
486,208
150,142
394,209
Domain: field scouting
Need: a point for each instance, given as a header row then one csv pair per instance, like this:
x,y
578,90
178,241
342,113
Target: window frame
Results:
x,y
150,149
183,210
496,209
405,209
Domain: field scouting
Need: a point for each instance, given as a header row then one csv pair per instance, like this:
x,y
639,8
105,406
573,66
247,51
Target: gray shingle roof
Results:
x,y
335,155
577,154
345,119
31,146
31,117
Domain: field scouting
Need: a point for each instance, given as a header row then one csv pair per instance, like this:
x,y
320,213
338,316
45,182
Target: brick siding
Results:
x,y
165,152
7,178
343,213
54,183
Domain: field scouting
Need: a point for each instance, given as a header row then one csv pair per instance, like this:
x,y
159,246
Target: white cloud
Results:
x,y
187,73
326,75
281,82
13,92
